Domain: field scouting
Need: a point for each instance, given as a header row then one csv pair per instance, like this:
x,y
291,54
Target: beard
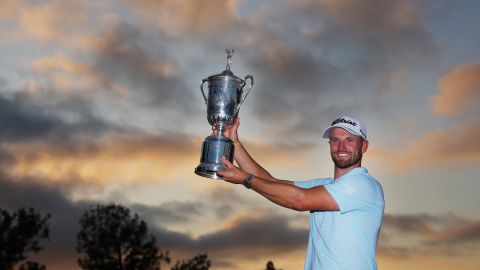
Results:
x,y
344,163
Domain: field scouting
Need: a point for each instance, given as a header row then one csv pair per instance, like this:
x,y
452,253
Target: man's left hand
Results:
x,y
232,173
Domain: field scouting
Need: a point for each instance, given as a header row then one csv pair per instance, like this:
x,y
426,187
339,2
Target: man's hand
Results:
x,y
232,174
231,131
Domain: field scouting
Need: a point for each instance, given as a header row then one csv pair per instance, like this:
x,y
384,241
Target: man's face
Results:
x,y
346,149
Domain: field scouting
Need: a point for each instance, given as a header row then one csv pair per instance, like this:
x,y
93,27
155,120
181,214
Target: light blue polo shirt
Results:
x,y
346,239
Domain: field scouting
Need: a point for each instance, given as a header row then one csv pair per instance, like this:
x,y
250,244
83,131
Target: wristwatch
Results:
x,y
248,181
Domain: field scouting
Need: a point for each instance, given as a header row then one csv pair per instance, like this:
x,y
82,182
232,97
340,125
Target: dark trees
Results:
x,y
270,266
199,262
111,239
20,233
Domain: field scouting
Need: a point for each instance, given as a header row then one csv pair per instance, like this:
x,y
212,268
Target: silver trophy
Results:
x,y
225,96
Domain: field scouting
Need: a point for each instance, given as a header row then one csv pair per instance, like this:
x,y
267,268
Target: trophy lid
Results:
x,y
227,71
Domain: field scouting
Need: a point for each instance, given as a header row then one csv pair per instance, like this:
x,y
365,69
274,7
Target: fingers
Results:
x,y
226,162
228,165
231,173
236,124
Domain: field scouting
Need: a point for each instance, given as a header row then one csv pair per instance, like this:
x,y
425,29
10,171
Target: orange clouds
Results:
x,y
185,16
66,73
53,20
7,9
459,91
62,20
123,158
117,159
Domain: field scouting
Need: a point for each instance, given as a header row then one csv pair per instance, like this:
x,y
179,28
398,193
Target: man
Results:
x,y
345,211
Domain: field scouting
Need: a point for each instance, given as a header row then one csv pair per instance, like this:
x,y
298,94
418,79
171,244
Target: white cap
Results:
x,y
352,125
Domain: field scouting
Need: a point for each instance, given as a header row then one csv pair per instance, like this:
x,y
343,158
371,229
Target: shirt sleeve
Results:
x,y
312,183
353,193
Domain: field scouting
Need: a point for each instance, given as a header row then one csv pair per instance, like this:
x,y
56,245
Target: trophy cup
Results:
x,y
225,96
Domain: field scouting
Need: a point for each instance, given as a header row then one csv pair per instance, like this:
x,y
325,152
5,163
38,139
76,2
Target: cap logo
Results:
x,y
343,120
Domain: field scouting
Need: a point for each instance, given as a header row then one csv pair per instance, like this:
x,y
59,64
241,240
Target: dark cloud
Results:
x,y
23,119
468,233
124,55
409,223
247,239
20,123
173,212
225,200
408,235
272,232
392,26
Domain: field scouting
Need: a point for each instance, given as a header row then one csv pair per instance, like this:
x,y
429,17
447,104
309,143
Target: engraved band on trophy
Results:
x,y
225,96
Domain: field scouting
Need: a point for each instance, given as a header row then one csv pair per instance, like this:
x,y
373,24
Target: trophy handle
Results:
x,y
249,88
203,93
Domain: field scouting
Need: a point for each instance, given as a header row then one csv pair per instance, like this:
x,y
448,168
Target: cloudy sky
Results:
x,y
100,102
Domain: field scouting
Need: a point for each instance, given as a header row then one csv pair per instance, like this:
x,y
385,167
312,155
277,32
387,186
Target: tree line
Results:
x,y
110,238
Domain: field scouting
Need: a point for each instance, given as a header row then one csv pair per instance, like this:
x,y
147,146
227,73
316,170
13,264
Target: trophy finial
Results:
x,y
229,57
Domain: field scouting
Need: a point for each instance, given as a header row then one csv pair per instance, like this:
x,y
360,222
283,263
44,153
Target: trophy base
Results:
x,y
209,170
213,149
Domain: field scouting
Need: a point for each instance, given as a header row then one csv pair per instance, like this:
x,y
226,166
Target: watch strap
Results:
x,y
248,181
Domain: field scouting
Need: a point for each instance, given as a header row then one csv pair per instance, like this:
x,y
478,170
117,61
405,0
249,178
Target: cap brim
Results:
x,y
326,133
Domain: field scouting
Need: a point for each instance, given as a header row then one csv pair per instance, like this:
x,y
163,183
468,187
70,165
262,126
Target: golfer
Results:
x,y
346,210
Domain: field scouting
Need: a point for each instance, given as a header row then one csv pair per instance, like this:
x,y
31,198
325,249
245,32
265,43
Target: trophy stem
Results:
x,y
221,127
